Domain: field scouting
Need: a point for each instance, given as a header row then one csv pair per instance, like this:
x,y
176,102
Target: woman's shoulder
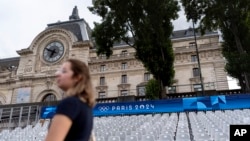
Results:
x,y
69,107
69,99
74,100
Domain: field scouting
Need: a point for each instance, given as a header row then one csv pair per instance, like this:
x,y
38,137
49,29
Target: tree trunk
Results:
x,y
163,88
163,91
242,84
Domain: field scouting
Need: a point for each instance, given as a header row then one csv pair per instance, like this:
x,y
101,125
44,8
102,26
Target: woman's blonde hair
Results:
x,y
83,88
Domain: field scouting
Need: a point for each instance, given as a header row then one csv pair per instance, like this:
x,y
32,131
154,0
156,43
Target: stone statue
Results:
x,y
74,15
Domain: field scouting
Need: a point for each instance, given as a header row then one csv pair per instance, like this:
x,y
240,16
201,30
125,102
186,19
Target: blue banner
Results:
x,y
142,107
220,102
48,112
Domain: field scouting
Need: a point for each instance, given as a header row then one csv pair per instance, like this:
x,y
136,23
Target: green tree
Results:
x,y
232,18
153,88
144,25
236,62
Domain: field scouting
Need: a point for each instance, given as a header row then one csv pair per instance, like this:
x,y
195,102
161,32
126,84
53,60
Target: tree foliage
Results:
x,y
153,89
145,25
231,17
236,62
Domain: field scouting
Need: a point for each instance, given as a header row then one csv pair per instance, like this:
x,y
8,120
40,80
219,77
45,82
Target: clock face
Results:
x,y
53,52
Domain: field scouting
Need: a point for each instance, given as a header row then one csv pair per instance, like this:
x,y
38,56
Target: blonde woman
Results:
x,y
73,120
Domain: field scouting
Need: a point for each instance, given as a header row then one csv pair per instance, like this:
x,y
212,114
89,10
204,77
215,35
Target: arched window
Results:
x,y
49,97
1,100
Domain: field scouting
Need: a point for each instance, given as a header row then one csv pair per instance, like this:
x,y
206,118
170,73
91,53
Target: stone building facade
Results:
x,y
30,77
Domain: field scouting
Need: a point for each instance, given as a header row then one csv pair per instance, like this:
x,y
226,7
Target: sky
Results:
x,y
22,20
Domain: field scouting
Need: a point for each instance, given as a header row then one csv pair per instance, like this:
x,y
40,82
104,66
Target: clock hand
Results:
x,y
49,49
52,53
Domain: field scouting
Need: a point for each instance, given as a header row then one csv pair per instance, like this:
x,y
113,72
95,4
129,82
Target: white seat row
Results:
x,y
195,126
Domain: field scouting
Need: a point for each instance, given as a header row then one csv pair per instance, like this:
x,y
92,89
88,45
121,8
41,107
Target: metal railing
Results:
x,y
200,47
21,115
113,57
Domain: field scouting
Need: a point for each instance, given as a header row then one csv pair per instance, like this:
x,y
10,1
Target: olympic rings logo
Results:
x,y
103,108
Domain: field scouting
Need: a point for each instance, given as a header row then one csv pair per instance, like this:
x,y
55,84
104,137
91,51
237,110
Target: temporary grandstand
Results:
x,y
205,118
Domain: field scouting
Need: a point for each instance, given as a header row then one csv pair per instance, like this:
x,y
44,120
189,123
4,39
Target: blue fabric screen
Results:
x,y
220,102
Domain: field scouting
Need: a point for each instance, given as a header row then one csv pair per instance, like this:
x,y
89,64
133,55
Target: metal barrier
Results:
x,y
21,115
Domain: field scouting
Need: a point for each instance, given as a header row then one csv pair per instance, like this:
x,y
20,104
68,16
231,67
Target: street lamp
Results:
x,y
198,59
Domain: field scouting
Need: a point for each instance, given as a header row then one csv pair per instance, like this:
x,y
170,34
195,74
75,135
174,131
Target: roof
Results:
x,y
9,62
175,35
79,28
189,33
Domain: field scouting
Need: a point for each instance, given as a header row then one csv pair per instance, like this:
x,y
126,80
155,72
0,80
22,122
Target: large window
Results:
x,y
124,78
124,92
141,90
193,58
197,87
196,72
49,97
102,80
172,89
124,66
146,76
101,94
102,68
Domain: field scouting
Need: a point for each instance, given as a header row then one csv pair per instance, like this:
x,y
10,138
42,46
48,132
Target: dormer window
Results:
x,y
192,44
189,32
172,35
124,53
